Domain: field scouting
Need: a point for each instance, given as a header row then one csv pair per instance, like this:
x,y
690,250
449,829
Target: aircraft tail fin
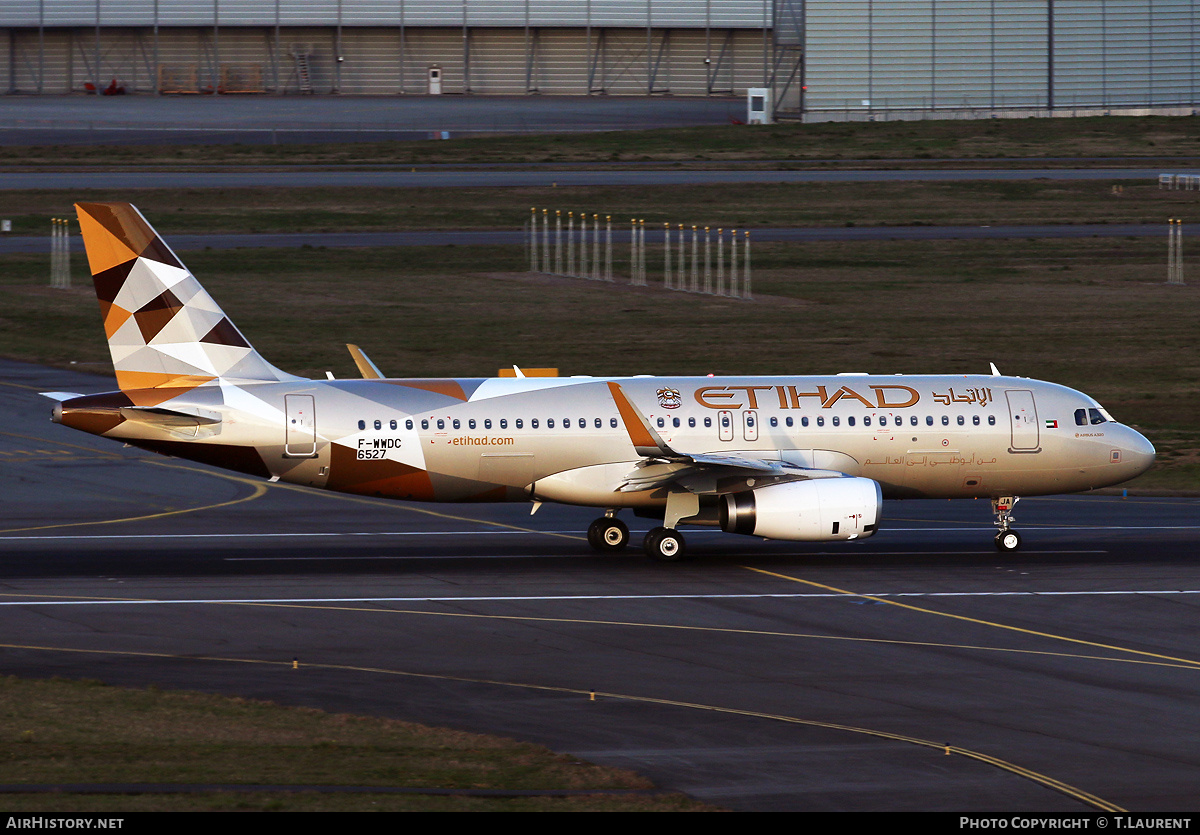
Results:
x,y
164,330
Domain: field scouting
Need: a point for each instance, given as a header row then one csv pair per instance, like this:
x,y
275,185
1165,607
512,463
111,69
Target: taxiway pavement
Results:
x,y
273,120
917,670
124,182
517,237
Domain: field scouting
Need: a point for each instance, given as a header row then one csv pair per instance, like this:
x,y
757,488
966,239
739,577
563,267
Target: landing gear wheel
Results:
x,y
608,534
1008,541
664,544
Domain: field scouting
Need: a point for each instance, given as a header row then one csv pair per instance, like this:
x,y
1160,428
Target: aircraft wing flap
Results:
x,y
703,472
650,476
738,462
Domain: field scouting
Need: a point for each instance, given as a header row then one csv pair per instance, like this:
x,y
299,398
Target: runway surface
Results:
x,y
917,670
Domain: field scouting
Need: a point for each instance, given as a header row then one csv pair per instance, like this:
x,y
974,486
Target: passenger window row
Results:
x,y
1082,417
472,423
836,420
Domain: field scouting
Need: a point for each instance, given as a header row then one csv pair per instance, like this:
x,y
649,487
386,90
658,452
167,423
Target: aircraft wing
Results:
x,y
695,472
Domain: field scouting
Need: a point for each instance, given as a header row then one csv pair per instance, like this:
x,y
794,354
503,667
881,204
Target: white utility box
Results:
x,y
758,106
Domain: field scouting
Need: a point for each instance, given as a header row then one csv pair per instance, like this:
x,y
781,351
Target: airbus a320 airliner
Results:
x,y
790,458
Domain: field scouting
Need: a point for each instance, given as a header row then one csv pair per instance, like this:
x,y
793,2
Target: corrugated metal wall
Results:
x,y
859,55
954,54
723,14
1116,52
383,60
387,46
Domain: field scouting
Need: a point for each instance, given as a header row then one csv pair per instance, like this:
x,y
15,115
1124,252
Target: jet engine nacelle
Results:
x,y
818,510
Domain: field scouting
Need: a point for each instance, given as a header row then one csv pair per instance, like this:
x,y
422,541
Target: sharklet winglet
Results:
x,y
646,442
368,369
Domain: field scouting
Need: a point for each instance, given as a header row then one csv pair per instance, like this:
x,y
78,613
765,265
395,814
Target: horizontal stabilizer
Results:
x,y
157,414
60,396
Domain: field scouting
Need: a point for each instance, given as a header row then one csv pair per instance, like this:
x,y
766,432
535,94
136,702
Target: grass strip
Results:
x,y
894,143
241,754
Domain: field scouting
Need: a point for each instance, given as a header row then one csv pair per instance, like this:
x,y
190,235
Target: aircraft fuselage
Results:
x,y
565,440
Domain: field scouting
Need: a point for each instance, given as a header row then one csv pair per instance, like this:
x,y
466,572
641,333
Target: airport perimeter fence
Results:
x,y
695,261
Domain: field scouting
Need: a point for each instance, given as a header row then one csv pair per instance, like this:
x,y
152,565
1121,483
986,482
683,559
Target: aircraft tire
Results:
x,y
608,534
1008,541
664,545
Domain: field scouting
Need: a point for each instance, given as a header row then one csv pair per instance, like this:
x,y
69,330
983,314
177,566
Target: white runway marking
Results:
x,y
583,554
579,532
53,537
574,597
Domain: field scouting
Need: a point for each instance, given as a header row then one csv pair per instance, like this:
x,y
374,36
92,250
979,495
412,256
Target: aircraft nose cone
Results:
x,y
1139,451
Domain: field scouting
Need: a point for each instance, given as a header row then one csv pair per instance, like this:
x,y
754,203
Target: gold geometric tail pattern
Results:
x,y
164,330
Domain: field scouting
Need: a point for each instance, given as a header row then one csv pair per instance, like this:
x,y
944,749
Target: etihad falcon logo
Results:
x,y
669,398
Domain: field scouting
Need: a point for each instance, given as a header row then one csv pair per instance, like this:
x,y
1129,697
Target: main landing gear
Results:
x,y
664,544
1007,540
609,534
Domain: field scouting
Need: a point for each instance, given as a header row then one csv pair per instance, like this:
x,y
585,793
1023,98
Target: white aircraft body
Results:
x,y
791,458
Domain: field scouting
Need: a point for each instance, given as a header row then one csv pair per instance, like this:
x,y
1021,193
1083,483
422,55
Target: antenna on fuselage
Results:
x,y
995,371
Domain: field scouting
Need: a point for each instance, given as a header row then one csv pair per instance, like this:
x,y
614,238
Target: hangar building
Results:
x,y
822,59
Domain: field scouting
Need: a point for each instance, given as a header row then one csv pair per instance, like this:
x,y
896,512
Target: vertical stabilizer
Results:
x,y
164,330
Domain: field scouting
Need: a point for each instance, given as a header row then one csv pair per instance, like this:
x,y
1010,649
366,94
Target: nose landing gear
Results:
x,y
1007,540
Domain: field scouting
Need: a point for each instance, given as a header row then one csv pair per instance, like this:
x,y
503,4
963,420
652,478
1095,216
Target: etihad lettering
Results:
x,y
820,394
977,395
751,393
890,396
716,393
846,391
884,403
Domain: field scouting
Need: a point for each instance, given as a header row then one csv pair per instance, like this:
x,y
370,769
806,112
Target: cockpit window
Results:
x,y
1094,417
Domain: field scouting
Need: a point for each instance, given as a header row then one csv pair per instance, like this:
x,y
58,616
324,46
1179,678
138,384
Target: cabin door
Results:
x,y
1022,412
301,426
